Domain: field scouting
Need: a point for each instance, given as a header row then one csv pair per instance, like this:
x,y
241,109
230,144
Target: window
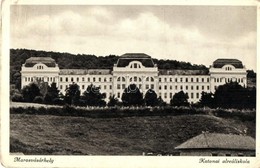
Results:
x,y
147,79
152,86
118,79
202,87
197,79
165,87
191,87
140,86
176,79
83,87
181,87
70,79
170,79
198,95
214,154
123,79
83,79
187,87
118,95
25,79
208,87
110,79
123,86
65,79
60,79
88,79
94,79
191,79
176,87
165,79
146,86
135,79
202,79
170,95
160,79
186,79
170,87
105,79
105,87
60,86
160,87
165,95
180,79
51,78
118,86
99,79
110,86
77,79
152,79
207,79
197,87
191,95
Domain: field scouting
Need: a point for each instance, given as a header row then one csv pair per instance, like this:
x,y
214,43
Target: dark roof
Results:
x,y
48,61
182,72
125,59
219,141
85,72
219,63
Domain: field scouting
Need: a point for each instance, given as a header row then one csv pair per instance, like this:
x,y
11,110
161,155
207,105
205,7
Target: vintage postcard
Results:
x,y
129,84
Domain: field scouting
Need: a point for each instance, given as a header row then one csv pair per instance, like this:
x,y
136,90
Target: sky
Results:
x,y
196,34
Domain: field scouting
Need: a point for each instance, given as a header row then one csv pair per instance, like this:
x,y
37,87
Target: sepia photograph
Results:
x,y
132,80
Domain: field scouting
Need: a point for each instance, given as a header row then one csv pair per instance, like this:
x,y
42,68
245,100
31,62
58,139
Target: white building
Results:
x,y
139,69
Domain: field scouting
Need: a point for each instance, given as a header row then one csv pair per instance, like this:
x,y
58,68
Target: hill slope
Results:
x,y
47,134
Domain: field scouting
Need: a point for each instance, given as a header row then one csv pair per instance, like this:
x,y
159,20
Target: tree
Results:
x,y
52,93
207,99
232,95
132,96
150,98
30,91
93,97
180,99
72,94
161,102
112,101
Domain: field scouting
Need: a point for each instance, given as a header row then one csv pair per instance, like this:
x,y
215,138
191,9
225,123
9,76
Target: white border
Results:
x,y
104,161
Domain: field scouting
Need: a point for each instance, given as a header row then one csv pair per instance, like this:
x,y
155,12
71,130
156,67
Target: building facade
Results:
x,y
139,69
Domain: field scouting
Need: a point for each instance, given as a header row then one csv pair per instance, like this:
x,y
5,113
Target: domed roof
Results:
x,y
48,61
125,59
219,63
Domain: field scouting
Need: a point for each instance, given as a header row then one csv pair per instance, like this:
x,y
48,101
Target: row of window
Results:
x,y
46,79
83,87
183,79
88,79
217,80
170,95
135,79
181,87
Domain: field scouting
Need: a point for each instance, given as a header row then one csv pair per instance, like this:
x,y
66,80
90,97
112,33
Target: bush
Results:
x,y
38,99
17,97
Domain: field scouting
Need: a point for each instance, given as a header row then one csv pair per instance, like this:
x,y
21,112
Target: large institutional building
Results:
x,y
139,69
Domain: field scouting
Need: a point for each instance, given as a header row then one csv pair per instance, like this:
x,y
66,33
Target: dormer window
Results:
x,y
135,65
228,68
39,67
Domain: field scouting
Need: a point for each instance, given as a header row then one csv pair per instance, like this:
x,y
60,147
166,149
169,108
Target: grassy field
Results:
x,y
68,135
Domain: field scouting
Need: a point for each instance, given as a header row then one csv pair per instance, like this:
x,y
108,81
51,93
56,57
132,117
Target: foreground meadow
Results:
x,y
128,135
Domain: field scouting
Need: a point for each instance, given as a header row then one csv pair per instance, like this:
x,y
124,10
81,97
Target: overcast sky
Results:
x,y
198,34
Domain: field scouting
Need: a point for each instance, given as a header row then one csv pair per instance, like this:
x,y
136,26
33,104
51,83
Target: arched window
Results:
x,y
123,79
118,79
